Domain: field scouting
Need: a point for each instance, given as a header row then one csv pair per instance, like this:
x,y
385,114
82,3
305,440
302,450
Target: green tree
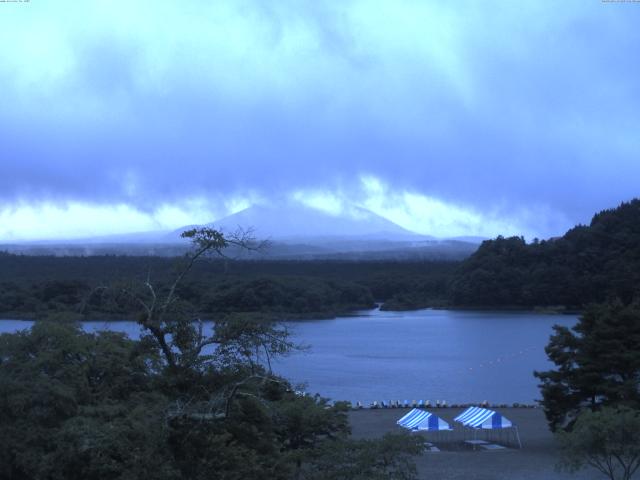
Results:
x,y
179,403
390,458
597,363
178,335
78,405
608,440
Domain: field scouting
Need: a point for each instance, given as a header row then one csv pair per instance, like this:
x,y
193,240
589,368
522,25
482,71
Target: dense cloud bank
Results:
x,y
512,109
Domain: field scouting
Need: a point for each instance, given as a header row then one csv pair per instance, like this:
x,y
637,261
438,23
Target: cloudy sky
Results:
x,y
450,118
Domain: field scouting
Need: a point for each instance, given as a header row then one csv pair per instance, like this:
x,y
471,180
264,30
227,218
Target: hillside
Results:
x,y
588,264
298,222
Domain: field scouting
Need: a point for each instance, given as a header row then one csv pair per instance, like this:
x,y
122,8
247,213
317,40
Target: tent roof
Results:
x,y
478,417
422,420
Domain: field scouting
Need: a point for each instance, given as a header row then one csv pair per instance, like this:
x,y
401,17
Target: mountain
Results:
x,y
301,232
294,231
295,223
590,263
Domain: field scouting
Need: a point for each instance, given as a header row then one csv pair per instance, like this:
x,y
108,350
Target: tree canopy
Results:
x,y
597,363
588,264
180,403
607,440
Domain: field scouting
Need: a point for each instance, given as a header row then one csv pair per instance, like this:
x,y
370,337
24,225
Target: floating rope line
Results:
x,y
501,360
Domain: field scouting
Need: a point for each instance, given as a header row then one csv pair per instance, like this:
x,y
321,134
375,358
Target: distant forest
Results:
x,y
588,264
95,287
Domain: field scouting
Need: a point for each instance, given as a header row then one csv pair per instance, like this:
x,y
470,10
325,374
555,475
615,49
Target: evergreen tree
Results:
x,y
598,363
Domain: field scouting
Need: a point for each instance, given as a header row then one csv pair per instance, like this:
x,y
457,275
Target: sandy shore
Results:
x,y
536,460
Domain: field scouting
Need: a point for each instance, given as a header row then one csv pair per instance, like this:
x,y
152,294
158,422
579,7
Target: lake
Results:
x,y
452,355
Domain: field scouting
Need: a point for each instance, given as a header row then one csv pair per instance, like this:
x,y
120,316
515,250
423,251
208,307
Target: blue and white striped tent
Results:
x,y
422,420
483,418
469,411
478,417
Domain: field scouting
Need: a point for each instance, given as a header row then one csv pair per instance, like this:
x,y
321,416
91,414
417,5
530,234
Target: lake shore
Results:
x,y
354,311
428,354
543,309
67,317
536,460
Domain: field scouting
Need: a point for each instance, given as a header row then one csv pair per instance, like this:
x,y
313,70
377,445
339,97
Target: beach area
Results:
x,y
456,460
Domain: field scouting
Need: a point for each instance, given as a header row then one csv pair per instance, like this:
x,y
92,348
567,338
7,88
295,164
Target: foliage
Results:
x,y
100,406
178,403
608,440
593,263
75,404
91,287
597,363
385,459
588,264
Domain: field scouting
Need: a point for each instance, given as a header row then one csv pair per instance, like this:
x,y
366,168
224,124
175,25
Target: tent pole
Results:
x,y
518,437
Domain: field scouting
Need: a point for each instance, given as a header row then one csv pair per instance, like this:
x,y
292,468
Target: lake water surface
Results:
x,y
457,356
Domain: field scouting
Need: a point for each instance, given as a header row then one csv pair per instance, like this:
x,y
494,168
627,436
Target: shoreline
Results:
x,y
280,317
541,309
458,461
294,317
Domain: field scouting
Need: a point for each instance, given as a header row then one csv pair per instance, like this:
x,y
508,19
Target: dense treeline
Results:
x,y
179,403
97,286
588,264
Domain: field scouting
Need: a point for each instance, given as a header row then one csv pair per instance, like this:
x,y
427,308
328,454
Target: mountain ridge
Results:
x,y
294,231
290,222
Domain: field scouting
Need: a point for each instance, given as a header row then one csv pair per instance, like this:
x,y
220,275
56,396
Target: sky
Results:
x,y
449,118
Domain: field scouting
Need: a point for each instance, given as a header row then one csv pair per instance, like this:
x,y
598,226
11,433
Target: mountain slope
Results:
x,y
300,222
588,264
295,232
300,232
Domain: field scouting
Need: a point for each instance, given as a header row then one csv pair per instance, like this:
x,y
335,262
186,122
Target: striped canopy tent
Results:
x,y
483,418
478,417
422,420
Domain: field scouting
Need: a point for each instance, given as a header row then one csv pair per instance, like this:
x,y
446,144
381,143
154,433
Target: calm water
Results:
x,y
458,356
